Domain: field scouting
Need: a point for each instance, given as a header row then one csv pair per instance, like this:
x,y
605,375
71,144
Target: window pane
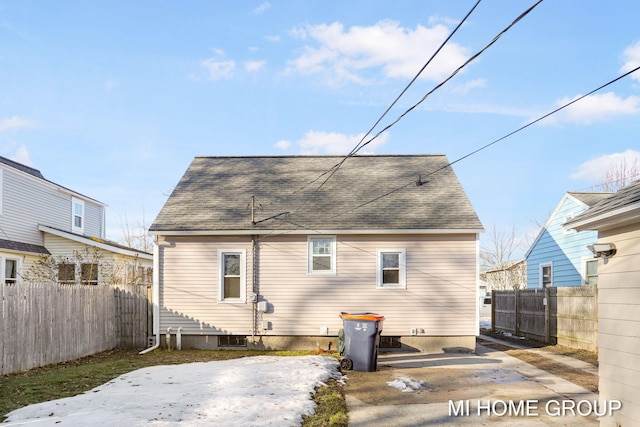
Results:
x,y
232,287
10,271
89,274
322,247
232,265
592,268
391,277
321,263
66,273
390,260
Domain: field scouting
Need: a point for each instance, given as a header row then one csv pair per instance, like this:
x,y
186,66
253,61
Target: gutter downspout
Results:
x,y
155,295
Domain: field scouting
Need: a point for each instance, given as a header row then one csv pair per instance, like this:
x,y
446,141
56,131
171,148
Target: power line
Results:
x,y
493,142
358,146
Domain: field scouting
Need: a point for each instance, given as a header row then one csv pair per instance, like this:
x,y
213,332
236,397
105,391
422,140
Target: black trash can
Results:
x,y
359,341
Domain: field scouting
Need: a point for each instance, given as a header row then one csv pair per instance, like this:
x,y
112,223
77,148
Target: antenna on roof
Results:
x,y
253,210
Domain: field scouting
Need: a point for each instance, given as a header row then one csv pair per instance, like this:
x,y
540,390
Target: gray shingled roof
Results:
x,y
624,197
590,199
23,247
215,194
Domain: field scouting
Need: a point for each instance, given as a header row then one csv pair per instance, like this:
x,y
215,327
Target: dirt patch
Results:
x,y
576,376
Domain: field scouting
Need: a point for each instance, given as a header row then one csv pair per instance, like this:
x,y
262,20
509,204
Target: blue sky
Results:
x,y
114,98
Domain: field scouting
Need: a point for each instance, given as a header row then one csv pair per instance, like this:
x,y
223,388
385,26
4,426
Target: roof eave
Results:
x,y
250,232
610,219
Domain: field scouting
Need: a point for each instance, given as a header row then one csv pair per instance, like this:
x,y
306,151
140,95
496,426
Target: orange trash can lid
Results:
x,y
361,316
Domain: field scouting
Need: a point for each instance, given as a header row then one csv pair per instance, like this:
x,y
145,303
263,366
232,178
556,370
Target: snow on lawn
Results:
x,y
252,391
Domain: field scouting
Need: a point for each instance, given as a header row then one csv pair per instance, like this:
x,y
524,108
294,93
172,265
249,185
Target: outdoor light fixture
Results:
x,y
604,250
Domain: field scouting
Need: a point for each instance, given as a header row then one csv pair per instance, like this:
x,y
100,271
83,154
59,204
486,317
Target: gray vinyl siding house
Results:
x,y
617,222
268,251
33,209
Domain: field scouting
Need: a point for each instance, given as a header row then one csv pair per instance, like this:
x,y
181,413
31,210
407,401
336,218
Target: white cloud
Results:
x,y
317,142
273,39
219,69
398,52
15,152
595,108
631,57
14,122
465,88
254,65
594,169
262,8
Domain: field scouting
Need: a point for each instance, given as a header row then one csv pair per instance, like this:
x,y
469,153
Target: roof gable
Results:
x,y
617,209
364,193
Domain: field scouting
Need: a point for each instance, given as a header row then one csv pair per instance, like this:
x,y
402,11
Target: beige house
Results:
x,y
617,220
268,251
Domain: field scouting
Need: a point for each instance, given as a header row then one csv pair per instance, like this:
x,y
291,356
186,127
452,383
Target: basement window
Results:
x,y
390,342
232,341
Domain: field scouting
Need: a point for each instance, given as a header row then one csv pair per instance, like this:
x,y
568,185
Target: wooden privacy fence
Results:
x,y
42,324
566,315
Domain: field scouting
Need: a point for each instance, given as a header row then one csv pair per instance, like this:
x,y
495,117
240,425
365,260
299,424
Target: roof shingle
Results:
x,y
365,193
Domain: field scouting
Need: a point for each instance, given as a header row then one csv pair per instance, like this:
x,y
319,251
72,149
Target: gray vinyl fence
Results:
x,y
565,315
42,324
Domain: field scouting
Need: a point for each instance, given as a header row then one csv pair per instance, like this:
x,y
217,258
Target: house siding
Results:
x,y
439,299
564,251
618,325
28,202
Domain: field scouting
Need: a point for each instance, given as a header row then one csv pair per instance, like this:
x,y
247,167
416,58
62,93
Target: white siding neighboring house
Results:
x,y
263,252
42,223
617,221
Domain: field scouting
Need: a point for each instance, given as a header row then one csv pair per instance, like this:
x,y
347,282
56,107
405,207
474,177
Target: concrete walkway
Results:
x,y
494,386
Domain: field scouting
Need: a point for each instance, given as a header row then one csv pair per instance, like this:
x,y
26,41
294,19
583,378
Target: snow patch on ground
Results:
x,y
252,391
406,385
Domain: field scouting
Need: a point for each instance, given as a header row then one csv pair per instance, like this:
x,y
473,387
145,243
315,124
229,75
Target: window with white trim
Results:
x,y
10,270
546,275
89,273
566,218
232,276
66,273
77,215
590,271
391,268
321,255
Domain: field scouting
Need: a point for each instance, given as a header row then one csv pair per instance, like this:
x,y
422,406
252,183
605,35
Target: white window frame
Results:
x,y
310,256
402,259
74,228
3,267
566,218
585,261
540,269
243,275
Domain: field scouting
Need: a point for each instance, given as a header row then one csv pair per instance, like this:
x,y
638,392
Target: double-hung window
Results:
x,y
10,271
66,273
591,272
77,215
232,276
392,268
321,255
546,275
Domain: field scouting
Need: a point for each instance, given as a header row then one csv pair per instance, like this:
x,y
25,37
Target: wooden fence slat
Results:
x,y
42,324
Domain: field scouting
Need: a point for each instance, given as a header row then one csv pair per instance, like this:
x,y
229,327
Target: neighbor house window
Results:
x,y
10,271
77,215
232,282
546,275
89,274
591,272
66,273
322,255
566,218
391,268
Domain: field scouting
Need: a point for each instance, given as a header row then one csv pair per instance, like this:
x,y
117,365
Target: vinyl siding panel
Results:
x,y
564,250
28,202
619,324
440,296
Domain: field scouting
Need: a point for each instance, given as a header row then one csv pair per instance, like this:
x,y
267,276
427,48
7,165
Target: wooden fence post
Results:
x,y
547,317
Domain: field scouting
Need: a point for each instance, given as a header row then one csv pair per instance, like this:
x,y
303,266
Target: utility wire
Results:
x,y
360,144
484,147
